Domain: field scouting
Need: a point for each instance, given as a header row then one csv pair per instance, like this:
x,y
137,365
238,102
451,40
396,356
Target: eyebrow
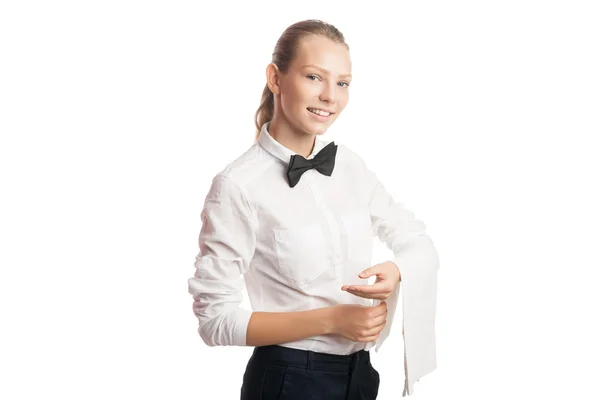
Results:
x,y
324,70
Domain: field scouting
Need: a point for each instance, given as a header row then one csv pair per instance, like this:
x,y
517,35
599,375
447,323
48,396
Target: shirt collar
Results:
x,y
279,150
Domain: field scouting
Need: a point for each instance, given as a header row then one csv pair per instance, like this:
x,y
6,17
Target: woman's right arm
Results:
x,y
268,328
227,243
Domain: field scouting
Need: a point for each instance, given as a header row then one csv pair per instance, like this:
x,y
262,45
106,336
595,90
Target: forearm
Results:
x,y
269,328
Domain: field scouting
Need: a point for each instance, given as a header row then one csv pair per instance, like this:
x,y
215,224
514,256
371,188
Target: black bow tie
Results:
x,y
323,161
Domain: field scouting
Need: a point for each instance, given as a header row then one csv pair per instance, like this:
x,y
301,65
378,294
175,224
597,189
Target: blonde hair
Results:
x,y
283,55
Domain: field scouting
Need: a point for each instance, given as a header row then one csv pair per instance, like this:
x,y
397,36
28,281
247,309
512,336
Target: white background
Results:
x,y
481,117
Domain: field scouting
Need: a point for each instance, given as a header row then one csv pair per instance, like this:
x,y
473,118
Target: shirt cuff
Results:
x,y
240,329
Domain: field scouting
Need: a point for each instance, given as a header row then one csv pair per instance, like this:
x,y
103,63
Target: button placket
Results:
x,y
331,223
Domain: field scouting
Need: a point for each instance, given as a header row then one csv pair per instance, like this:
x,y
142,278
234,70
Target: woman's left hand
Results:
x,y
388,276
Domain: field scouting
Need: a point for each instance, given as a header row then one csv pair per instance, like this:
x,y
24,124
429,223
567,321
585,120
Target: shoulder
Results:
x,y
356,165
349,157
227,189
230,184
244,168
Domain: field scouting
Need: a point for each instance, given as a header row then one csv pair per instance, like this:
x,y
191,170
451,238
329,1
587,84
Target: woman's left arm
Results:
x,y
418,262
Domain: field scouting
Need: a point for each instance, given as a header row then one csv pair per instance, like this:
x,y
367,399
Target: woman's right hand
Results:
x,y
358,323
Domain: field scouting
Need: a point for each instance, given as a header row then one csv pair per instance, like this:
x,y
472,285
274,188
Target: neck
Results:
x,y
299,142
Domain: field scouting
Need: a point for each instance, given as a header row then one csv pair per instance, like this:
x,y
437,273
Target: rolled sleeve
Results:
x,y
227,242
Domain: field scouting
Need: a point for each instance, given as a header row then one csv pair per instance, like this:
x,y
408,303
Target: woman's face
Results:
x,y
318,78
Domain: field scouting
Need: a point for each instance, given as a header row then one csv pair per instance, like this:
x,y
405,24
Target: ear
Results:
x,y
273,78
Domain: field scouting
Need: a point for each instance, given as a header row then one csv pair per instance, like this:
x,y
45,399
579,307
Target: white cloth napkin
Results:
x,y
418,264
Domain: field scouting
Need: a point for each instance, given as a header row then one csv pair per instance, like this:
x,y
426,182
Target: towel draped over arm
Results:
x,y
418,262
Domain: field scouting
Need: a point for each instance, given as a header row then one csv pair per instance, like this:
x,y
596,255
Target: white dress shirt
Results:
x,y
296,247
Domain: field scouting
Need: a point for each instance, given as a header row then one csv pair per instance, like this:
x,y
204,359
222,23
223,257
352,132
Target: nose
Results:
x,y
328,93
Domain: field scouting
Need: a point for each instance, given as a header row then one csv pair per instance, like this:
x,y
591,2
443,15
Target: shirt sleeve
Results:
x,y
227,241
418,262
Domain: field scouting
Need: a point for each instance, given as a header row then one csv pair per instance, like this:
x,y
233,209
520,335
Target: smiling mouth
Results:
x,y
319,112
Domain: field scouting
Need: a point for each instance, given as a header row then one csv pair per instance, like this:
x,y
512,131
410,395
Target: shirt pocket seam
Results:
x,y
292,262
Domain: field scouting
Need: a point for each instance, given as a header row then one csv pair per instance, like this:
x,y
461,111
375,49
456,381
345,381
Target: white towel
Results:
x,y
418,263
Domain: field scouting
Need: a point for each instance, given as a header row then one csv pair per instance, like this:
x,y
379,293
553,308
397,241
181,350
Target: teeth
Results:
x,y
319,112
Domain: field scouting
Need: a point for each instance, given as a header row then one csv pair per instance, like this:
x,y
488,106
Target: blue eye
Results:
x,y
315,76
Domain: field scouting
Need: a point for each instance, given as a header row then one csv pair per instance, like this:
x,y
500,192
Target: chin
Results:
x,y
317,132
323,129
318,129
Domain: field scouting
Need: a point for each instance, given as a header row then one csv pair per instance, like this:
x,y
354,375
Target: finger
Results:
x,y
380,311
380,292
363,295
376,296
378,287
369,339
376,329
380,319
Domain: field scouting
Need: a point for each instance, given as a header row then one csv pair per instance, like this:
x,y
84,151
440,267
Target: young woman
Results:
x,y
296,215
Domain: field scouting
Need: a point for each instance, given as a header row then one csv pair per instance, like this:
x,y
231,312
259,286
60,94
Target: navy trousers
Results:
x,y
281,373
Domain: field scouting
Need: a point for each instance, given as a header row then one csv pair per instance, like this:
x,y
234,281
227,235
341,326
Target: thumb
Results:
x,y
368,272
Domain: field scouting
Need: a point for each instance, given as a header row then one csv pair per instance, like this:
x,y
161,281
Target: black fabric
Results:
x,y
323,161
282,373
